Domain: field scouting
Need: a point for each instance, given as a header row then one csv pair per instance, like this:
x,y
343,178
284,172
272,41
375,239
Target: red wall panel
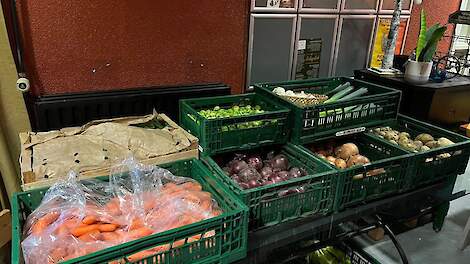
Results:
x,y
89,45
437,11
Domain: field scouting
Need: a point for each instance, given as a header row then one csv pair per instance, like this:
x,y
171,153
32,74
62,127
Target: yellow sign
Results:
x,y
381,41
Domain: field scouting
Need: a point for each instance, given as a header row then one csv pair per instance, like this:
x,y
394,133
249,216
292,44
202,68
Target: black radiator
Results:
x,y
58,111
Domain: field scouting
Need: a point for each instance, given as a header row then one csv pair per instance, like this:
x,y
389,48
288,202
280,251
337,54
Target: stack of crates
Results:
x,y
221,138
392,169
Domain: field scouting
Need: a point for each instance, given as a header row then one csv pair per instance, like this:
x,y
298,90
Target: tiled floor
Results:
x,y
423,245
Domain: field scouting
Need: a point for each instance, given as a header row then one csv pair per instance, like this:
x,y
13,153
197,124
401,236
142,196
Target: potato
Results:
x,y
391,136
424,148
404,134
444,142
424,138
418,144
331,160
403,141
340,163
432,144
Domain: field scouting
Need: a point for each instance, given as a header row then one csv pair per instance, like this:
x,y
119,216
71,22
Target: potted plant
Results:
x,y
418,69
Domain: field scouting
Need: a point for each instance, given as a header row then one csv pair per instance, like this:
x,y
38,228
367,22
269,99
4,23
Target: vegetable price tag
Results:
x,y
350,131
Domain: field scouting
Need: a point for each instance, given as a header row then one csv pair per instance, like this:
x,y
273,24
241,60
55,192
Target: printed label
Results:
x,y
350,131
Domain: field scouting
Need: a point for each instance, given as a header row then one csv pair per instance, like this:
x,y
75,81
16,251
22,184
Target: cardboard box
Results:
x,y
93,148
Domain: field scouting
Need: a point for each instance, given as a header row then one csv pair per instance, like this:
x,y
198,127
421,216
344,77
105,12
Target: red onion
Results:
x,y
295,172
248,174
266,172
256,162
253,184
283,174
235,178
270,155
303,171
276,179
238,166
280,162
268,182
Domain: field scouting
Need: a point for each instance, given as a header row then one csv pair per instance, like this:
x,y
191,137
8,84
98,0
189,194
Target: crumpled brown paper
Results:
x,y
98,144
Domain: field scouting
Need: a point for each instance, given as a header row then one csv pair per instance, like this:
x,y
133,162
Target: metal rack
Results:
x,y
265,245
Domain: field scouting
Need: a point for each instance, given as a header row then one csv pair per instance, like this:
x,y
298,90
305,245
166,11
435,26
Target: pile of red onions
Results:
x,y
252,171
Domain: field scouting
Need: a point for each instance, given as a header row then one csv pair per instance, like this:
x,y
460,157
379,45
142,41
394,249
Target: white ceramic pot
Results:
x,y
417,72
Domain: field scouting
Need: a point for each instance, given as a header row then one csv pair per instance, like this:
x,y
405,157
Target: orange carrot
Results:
x,y
205,205
84,229
111,236
191,186
89,219
113,207
140,232
140,255
136,223
57,254
93,235
61,230
71,222
39,227
178,243
107,227
44,222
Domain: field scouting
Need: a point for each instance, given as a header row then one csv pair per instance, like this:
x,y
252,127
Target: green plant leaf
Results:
x,y
428,51
431,30
422,34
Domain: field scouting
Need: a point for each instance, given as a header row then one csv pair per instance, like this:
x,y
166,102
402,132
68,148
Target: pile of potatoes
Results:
x,y
422,142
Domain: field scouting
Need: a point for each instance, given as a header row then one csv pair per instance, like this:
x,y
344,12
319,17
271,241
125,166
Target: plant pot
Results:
x,y
417,72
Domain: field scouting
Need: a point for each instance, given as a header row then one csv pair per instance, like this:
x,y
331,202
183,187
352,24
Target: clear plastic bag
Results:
x,y
76,218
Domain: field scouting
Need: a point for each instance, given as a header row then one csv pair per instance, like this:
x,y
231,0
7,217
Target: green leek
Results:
x,y
354,94
339,88
338,95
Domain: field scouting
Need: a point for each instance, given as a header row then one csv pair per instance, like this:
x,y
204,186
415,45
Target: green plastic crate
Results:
x,y
227,245
426,167
356,185
267,208
324,120
227,134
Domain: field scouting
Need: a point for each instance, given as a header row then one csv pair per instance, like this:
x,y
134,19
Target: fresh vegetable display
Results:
x,y
251,171
420,143
235,111
341,93
328,255
312,98
343,156
79,218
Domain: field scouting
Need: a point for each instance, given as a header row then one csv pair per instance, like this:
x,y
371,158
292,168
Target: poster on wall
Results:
x,y
308,59
280,3
381,41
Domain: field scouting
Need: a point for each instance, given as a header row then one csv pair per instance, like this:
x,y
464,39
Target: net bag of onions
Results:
x,y
76,218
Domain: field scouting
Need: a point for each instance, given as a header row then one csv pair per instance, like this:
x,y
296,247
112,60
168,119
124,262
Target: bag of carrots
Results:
x,y
76,218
